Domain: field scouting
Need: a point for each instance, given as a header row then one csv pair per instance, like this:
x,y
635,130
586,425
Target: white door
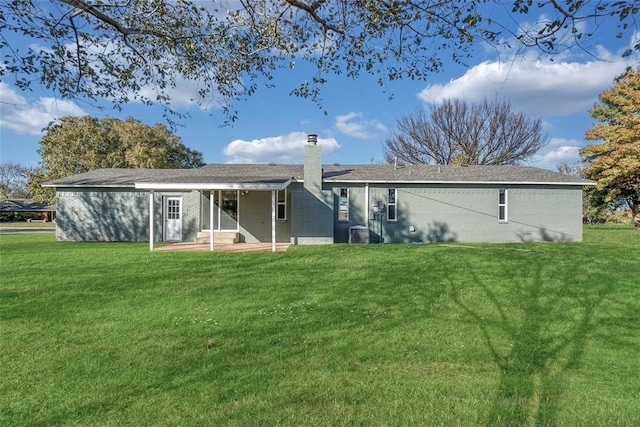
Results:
x,y
173,219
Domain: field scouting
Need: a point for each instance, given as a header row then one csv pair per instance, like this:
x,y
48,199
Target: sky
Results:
x,y
360,114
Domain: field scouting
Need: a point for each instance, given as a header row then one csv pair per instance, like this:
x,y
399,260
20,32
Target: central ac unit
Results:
x,y
359,234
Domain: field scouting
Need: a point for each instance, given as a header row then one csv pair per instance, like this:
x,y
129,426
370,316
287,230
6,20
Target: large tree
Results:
x,y
125,50
615,162
457,132
80,144
13,177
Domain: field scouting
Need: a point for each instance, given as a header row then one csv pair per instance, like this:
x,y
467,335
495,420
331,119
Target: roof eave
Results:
x,y
90,185
404,181
256,186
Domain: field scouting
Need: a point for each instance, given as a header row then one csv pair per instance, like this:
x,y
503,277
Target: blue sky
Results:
x,y
272,125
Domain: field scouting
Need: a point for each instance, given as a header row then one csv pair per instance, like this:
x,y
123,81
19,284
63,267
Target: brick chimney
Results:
x,y
313,165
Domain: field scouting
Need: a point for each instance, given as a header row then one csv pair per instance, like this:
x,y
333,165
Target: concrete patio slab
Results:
x,y
234,247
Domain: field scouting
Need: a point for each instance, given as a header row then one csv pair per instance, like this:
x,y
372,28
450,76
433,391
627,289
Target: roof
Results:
x,y
447,174
273,176
24,205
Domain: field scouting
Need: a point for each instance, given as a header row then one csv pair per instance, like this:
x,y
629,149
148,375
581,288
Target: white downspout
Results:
x,y
151,231
273,220
211,196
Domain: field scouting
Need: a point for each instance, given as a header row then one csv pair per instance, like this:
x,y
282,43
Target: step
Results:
x,y
220,237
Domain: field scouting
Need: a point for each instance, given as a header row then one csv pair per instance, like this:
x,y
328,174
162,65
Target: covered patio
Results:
x,y
205,182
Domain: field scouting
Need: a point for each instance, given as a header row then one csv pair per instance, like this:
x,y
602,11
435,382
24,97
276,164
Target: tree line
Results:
x,y
80,144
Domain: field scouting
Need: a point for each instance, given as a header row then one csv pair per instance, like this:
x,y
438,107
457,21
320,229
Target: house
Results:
x,y
316,204
18,209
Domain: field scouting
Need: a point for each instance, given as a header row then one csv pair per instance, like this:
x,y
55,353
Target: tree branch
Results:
x,y
311,10
125,31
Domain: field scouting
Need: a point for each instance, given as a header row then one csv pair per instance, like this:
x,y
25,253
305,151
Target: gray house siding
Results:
x,y
117,215
190,213
311,217
311,204
255,218
469,213
357,215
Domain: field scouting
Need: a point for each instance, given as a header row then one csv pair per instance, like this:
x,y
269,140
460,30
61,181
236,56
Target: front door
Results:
x,y
173,219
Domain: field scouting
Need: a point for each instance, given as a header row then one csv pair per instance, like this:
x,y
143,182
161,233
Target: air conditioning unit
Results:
x,y
359,234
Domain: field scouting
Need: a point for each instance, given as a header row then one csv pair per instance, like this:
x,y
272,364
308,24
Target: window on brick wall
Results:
x,y
503,214
343,205
392,205
281,213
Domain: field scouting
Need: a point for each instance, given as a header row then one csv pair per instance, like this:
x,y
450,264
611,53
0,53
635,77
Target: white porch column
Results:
x,y
211,195
273,220
366,204
151,233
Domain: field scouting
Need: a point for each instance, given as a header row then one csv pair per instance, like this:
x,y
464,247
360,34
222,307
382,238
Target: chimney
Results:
x,y
313,165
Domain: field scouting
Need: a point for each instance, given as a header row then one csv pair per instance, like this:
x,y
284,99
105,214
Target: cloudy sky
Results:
x,y
272,125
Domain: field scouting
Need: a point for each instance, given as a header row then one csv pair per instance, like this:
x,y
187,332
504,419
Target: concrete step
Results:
x,y
221,237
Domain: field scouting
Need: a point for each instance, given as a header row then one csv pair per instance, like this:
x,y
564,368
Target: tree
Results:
x,y
615,163
124,50
13,178
80,144
455,132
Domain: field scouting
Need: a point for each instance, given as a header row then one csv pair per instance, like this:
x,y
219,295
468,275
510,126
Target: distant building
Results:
x,y
39,211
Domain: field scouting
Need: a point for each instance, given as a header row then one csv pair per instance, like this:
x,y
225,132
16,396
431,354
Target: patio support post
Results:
x,y
273,220
151,231
211,195
366,203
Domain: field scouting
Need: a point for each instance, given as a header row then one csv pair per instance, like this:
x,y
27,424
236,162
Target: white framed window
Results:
x,y
343,205
503,212
392,205
281,212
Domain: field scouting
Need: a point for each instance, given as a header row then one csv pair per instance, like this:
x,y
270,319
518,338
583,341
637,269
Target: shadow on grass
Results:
x,y
536,351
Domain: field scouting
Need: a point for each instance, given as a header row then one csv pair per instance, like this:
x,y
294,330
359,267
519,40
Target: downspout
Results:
x,y
151,231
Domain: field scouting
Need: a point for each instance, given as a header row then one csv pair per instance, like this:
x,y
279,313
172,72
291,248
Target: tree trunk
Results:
x,y
635,211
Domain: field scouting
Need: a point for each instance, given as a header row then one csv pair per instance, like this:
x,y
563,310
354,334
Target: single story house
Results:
x,y
315,204
40,211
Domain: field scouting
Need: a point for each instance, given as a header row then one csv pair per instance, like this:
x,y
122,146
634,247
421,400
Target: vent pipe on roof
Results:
x,y
312,139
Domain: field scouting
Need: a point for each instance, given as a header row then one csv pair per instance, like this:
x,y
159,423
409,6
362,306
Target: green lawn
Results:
x,y
452,335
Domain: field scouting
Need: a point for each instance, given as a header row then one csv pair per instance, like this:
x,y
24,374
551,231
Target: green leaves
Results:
x,y
124,51
80,144
615,162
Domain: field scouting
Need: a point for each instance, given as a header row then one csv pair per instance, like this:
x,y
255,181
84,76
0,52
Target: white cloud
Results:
x,y
559,150
354,125
30,119
279,149
538,87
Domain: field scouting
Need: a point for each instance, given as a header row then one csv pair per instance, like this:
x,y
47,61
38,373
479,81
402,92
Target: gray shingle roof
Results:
x,y
24,205
269,173
120,178
449,174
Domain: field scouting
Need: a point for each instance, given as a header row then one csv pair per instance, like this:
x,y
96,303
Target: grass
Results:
x,y
465,335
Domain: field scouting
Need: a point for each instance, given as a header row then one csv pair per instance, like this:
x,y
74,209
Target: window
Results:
x,y
392,207
281,213
173,208
502,205
343,205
